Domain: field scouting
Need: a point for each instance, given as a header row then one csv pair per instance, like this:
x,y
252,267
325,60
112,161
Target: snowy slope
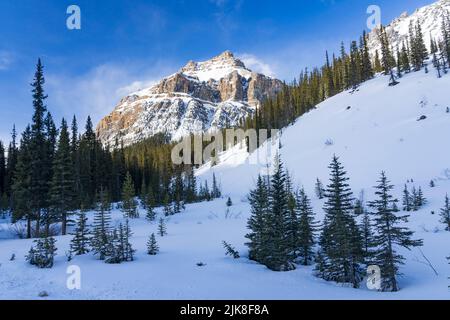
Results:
x,y
379,132
430,18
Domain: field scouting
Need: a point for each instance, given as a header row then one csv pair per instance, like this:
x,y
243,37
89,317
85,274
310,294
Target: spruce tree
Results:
x,y
389,234
230,251
129,205
319,189
229,202
280,256
257,223
407,205
150,205
306,228
42,253
62,191
340,240
152,245
367,236
162,230
445,213
101,228
81,239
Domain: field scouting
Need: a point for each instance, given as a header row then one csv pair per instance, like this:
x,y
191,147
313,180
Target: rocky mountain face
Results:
x,y
430,18
201,96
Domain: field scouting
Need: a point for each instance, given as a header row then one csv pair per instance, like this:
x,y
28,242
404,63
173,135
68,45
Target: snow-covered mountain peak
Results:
x,y
216,68
201,96
430,18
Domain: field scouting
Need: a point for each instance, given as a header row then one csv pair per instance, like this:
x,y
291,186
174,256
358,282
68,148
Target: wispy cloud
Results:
x,y
96,92
6,59
256,64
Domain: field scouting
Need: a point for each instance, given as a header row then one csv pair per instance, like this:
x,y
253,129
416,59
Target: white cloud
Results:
x,y
6,59
256,64
98,91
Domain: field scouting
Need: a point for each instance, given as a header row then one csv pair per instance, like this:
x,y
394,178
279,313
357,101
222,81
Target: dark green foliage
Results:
x,y
340,240
257,223
129,204
445,214
42,253
62,190
306,228
119,248
150,205
230,251
388,235
229,202
162,230
319,189
152,245
80,242
101,227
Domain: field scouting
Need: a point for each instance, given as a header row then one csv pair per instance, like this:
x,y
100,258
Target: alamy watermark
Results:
x,y
208,146
374,19
73,22
74,277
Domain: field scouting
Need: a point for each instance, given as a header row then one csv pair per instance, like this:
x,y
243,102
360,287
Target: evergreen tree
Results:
x,y
150,205
62,191
42,253
101,228
162,230
407,205
152,245
80,242
389,234
319,189
230,251
229,202
167,208
377,63
279,246
445,213
306,228
340,241
257,223
129,205
368,236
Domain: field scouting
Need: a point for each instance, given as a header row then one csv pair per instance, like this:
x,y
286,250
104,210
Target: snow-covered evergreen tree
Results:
x,y
445,213
162,230
319,189
42,253
79,244
152,245
259,202
101,229
340,240
388,235
231,251
306,228
129,204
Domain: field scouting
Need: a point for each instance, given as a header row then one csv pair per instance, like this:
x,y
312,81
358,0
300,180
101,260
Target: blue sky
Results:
x,y
124,45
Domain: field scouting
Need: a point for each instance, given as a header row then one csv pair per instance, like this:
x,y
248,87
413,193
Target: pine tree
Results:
x,y
319,189
215,193
167,208
42,253
368,236
445,213
62,191
150,205
377,63
407,205
257,223
229,202
80,242
306,228
420,200
278,243
340,241
101,229
162,230
152,245
230,251
129,205
389,234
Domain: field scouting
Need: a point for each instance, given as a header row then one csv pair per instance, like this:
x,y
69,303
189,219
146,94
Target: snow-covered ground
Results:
x,y
378,132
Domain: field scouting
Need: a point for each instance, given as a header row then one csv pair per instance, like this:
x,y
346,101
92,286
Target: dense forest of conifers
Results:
x,y
49,172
